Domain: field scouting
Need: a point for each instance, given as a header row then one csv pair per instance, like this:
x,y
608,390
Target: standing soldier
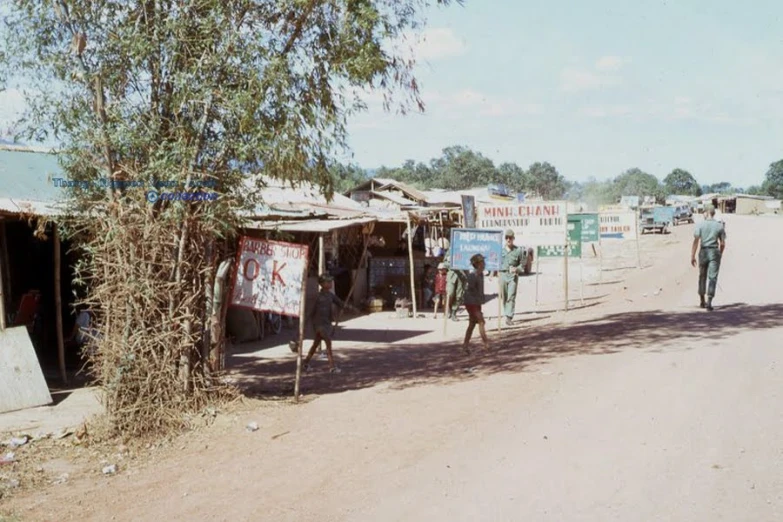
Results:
x,y
513,266
455,288
712,236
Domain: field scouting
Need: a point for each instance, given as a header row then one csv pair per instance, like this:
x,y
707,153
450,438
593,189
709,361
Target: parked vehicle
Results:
x,y
683,214
655,219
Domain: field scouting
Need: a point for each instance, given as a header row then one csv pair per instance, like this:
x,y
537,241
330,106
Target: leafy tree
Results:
x,y
171,91
755,190
460,168
635,182
512,176
546,181
681,182
723,187
773,182
345,177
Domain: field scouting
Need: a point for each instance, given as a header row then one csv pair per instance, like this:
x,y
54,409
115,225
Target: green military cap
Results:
x,y
323,278
509,233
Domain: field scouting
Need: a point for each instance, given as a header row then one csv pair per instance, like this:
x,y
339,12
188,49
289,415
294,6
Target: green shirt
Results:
x,y
709,232
513,258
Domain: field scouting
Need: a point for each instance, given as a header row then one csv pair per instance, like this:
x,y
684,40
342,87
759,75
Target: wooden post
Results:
x,y
538,264
565,275
2,277
302,308
58,305
446,310
581,283
638,254
500,302
321,254
410,258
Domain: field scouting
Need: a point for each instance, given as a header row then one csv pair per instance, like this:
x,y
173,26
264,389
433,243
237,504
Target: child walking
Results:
x,y
321,316
474,298
440,288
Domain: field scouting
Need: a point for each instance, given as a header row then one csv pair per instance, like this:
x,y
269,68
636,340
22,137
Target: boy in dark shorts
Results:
x,y
321,316
474,298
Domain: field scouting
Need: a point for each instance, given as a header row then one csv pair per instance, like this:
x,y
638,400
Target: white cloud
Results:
x,y
604,73
435,43
468,102
610,63
574,80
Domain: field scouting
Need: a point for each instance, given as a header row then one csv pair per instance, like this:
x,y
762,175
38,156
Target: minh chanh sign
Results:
x,y
534,223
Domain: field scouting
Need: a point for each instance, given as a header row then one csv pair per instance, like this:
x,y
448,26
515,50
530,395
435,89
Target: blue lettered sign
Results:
x,y
466,242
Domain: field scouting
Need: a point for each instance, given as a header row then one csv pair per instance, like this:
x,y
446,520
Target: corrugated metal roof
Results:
x,y
27,175
309,225
394,198
36,208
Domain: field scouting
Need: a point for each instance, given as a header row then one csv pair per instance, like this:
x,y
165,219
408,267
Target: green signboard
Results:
x,y
574,243
590,226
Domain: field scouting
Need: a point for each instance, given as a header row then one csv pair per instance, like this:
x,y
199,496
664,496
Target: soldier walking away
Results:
x,y
711,235
513,266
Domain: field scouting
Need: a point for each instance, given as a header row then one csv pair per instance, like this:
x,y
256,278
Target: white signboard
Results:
x,y
618,224
534,223
270,276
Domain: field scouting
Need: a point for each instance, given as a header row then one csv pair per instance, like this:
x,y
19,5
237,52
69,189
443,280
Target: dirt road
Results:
x,y
642,408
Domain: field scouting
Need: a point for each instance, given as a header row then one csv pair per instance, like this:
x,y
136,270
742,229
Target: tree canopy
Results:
x,y
681,182
773,181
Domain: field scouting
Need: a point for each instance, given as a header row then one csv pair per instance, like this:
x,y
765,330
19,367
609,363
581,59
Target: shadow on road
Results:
x,y
404,365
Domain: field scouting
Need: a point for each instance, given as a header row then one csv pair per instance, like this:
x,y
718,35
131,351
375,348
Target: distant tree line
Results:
x,y
460,168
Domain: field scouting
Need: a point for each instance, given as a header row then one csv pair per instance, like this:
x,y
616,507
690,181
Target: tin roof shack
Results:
x,y
386,193
412,231
746,204
337,232
36,272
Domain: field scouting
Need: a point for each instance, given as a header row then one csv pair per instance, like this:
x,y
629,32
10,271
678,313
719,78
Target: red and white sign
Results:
x,y
270,276
534,223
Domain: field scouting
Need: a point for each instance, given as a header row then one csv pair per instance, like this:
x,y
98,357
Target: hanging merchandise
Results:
x,y
431,243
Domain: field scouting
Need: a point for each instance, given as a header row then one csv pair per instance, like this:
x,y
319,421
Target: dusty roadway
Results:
x,y
640,409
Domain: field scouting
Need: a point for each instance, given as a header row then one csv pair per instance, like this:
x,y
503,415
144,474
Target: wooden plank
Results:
x,y
22,384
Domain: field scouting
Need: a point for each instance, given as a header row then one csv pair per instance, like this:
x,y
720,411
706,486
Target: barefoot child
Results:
x,y
321,316
441,279
474,298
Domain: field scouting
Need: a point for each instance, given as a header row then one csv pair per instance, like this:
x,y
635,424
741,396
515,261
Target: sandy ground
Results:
x,y
634,405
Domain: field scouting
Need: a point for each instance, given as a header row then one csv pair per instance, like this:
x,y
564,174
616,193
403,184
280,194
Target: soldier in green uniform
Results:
x,y
512,267
711,234
455,288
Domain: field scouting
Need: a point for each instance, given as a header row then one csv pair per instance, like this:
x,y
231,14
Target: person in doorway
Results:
x,y
440,288
427,285
84,334
322,316
474,299
455,289
709,238
512,267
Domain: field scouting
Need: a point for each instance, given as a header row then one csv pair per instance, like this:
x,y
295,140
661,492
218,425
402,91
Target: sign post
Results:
x,y
538,264
638,254
271,276
565,276
469,211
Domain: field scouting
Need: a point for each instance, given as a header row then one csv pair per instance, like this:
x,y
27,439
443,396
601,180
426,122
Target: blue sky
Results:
x,y
595,88
592,87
